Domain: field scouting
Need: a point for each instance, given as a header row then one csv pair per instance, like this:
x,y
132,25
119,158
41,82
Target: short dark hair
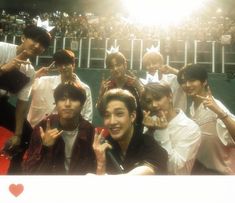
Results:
x,y
69,91
121,59
38,34
120,95
64,56
157,90
195,72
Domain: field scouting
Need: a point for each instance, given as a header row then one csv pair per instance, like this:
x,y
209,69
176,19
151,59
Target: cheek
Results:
x,y
106,122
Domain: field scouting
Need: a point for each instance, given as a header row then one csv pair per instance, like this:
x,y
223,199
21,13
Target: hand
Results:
x,y
99,146
135,82
159,123
12,146
209,102
13,64
49,135
148,121
104,86
45,70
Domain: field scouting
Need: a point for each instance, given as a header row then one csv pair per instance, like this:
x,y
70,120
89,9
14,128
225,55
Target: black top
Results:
x,y
143,149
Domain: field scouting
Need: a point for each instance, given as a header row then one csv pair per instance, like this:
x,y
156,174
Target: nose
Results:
x,y
155,104
67,102
38,46
187,83
112,119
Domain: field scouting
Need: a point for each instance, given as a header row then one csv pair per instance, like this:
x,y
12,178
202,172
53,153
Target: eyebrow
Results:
x,y
116,109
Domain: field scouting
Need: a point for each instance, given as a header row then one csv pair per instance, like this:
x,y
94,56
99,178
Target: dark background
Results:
x,y
94,6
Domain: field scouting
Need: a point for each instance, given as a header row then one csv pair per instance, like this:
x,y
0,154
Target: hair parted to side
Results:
x,y
194,72
152,57
118,94
63,57
69,91
157,90
38,34
120,58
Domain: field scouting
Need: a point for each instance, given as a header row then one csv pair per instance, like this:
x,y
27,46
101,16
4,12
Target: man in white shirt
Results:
x,y
16,76
171,128
216,154
42,103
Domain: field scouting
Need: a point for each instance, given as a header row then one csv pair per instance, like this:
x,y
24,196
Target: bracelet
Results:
x,y
225,115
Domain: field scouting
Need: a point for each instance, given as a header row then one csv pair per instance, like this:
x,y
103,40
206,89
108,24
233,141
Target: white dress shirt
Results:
x,y
181,139
217,150
7,53
43,102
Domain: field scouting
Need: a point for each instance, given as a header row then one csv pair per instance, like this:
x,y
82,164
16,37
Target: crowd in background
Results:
x,y
204,28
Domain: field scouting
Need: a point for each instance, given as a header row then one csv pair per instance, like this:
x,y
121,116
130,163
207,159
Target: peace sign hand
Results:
x,y
104,86
49,135
209,102
100,145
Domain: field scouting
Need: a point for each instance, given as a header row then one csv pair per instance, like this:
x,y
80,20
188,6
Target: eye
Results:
x,y
106,115
120,113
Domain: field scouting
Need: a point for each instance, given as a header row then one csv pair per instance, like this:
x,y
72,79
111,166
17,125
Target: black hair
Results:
x,y
120,95
64,57
195,72
69,91
38,34
120,58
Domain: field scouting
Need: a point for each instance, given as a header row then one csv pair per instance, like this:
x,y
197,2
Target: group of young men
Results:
x,y
146,129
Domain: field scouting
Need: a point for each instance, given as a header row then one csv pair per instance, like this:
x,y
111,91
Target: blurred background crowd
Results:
x,y
195,27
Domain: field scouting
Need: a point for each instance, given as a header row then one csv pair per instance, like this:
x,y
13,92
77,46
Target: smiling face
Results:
x,y
117,69
32,47
152,61
118,120
157,105
195,87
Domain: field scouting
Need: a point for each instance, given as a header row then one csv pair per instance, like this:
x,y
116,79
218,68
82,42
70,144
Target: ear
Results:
x,y
133,116
205,84
22,38
170,97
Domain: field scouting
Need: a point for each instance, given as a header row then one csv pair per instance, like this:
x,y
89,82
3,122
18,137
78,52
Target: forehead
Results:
x,y
114,105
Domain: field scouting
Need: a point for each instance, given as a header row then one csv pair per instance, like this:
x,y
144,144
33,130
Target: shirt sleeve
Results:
x,y
183,151
25,92
221,129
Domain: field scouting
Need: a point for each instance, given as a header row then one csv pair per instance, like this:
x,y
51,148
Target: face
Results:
x,y
156,106
117,70
32,47
65,69
151,68
68,108
194,87
118,120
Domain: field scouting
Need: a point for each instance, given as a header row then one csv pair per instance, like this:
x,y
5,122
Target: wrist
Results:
x,y
222,115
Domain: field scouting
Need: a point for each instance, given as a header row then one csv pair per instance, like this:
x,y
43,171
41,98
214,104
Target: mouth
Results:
x,y
114,130
67,111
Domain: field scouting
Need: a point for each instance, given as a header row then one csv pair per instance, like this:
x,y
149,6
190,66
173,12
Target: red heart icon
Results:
x,y
16,190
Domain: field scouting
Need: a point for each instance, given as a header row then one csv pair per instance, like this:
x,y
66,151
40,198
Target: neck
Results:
x,y
69,124
124,143
120,82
